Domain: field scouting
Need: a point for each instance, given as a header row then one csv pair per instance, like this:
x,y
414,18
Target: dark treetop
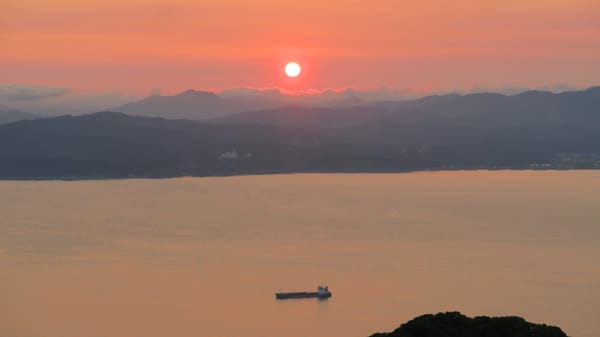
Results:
x,y
454,324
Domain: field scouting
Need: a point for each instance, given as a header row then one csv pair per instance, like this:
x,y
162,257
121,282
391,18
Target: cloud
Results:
x,y
51,101
280,94
30,92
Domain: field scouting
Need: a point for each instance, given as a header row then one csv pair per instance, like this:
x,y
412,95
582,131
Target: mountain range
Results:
x,y
203,105
529,130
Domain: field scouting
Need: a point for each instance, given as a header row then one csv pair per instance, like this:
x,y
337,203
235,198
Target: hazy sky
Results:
x,y
135,46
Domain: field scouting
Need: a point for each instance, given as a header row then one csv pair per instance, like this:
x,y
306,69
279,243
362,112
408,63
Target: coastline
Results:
x,y
292,172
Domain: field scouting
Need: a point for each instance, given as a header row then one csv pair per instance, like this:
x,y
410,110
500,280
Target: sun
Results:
x,y
292,69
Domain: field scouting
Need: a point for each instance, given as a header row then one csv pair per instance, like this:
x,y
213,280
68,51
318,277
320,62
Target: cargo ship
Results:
x,y
321,293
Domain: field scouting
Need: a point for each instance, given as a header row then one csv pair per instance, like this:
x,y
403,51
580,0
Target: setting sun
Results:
x,y
292,69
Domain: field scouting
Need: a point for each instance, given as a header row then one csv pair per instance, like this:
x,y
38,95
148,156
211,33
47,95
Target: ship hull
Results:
x,y
285,296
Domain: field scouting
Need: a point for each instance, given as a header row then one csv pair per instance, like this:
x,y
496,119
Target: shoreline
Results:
x,y
290,172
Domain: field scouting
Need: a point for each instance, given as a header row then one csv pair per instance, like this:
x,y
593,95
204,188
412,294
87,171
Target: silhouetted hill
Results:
x,y
580,109
192,104
454,324
472,130
8,115
320,118
575,107
109,144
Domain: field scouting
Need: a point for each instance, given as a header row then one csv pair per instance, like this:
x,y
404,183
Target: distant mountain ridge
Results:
x,y
584,104
581,108
8,115
192,104
203,105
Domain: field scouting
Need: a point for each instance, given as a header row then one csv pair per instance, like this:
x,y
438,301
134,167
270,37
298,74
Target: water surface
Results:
x,y
204,256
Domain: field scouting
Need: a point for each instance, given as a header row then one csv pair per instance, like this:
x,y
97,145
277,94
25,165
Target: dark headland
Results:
x,y
455,324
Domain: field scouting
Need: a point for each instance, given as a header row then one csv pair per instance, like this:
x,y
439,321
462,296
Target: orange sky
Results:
x,y
136,45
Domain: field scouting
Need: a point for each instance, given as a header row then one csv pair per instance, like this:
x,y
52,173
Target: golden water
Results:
x,y
204,256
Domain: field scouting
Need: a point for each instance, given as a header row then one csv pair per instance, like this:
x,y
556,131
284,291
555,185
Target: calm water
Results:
x,y
204,256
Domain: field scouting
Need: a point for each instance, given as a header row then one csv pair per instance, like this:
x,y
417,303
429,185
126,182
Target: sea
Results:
x,y
188,257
